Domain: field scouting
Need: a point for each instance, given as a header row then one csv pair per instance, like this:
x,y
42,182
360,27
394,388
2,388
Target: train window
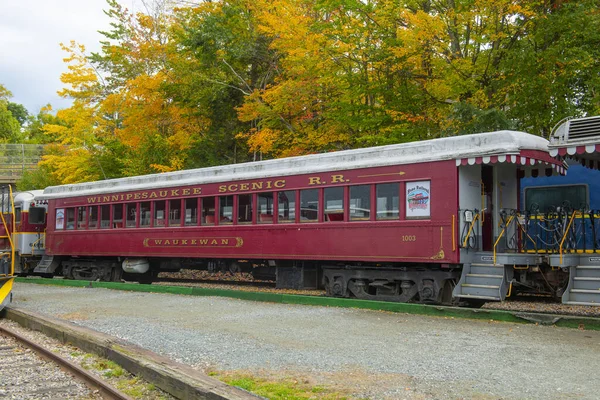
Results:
x,y
160,213
117,215
265,208
93,217
309,205
225,210
17,215
105,216
131,215
191,211
286,206
145,213
548,198
388,200
360,202
70,218
245,208
37,215
81,217
208,211
174,212
334,204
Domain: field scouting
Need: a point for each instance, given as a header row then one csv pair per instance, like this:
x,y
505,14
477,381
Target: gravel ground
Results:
x,y
374,355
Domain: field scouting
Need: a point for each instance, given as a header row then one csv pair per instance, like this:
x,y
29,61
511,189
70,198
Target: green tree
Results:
x,y
19,112
224,58
10,128
554,71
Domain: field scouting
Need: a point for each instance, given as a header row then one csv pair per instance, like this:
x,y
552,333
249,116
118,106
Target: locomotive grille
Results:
x,y
577,130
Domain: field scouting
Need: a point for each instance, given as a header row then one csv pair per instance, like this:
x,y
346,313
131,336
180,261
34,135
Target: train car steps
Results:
x,y
482,281
584,286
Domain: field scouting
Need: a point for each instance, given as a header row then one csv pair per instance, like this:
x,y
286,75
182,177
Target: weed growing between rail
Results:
x,y
285,388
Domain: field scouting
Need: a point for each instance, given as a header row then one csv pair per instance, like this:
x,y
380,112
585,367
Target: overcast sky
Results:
x,y
30,35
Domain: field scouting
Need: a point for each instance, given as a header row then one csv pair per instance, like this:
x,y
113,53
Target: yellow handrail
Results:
x,y
528,236
565,235
42,237
8,233
482,201
500,236
470,229
453,232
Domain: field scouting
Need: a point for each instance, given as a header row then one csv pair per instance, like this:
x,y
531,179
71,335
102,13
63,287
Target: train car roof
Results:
x,y
448,148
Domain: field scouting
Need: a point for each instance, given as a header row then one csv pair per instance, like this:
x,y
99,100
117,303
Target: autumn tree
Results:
x,y
223,59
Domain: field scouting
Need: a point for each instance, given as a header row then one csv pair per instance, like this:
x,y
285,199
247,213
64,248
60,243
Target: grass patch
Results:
x,y
278,389
135,388
109,368
121,379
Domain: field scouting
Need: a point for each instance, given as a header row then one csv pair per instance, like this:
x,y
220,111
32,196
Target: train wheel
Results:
x,y
445,296
116,274
85,273
235,267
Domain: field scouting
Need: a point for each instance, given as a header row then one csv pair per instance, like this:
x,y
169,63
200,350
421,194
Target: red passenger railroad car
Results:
x,y
397,222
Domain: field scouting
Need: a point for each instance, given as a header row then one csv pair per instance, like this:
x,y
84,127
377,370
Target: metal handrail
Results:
x,y
475,216
8,233
42,237
502,234
560,247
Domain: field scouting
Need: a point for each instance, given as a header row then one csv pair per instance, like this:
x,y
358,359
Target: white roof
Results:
x,y
450,148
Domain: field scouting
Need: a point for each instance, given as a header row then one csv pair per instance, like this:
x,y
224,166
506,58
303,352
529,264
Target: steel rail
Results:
x,y
105,390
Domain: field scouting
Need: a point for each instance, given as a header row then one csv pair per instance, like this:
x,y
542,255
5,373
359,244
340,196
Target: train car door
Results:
x,y
487,207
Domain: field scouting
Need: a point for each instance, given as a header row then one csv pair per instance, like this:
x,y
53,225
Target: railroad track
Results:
x,y
29,371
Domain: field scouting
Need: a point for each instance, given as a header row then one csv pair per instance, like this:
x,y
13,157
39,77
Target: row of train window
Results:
x,y
366,202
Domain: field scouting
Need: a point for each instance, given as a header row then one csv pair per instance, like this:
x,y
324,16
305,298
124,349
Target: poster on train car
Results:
x,y
418,199
60,218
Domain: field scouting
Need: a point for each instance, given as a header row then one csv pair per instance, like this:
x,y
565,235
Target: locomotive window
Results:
x,y
174,212
93,217
37,215
265,208
245,208
225,210
131,215
18,214
191,211
105,216
160,213
309,205
81,217
70,218
117,215
286,206
360,202
546,199
334,204
145,213
208,211
388,200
